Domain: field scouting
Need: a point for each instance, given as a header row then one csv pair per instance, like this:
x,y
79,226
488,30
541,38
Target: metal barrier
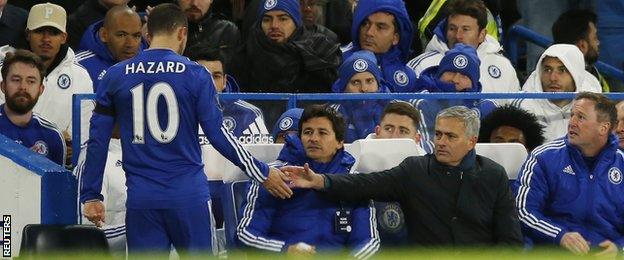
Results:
x,y
294,99
518,32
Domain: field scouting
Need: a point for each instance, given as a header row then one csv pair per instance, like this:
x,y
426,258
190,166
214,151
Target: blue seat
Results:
x,y
234,196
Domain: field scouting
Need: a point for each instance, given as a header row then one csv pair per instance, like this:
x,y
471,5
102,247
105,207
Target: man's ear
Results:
x,y
3,87
482,35
103,34
583,45
377,130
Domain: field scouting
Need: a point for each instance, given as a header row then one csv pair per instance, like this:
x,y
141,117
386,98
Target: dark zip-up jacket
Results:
x,y
470,204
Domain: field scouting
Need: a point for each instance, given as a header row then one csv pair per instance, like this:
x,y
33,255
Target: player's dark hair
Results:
x,y
314,111
165,18
26,57
573,26
404,109
517,118
201,51
473,8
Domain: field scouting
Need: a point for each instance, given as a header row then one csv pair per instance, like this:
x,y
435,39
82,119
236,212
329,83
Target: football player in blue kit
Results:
x,y
160,99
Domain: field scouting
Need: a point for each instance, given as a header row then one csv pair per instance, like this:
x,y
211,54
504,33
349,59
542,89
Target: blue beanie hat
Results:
x,y
291,7
288,121
463,59
359,61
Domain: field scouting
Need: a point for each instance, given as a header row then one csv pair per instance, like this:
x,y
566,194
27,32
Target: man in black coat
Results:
x,y
206,28
450,198
12,25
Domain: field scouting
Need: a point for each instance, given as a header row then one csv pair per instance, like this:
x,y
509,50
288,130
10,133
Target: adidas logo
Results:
x,y
568,170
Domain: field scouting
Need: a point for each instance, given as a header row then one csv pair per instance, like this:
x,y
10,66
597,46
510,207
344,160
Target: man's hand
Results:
x,y
610,250
575,243
304,177
301,249
94,212
276,185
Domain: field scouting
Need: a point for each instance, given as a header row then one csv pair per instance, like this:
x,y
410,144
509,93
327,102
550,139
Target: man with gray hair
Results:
x,y
453,197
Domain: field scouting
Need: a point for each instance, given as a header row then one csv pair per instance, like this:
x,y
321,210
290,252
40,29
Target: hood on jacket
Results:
x,y
572,58
439,42
291,7
91,41
463,59
360,61
396,8
288,121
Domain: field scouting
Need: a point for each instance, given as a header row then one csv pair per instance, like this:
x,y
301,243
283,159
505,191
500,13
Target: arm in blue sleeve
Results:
x,y
532,195
58,150
364,238
224,142
97,152
253,229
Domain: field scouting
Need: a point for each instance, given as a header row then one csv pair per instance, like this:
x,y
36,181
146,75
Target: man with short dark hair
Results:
x,y
308,222
384,28
400,120
453,197
466,23
569,191
64,77
22,86
578,27
106,42
280,56
168,201
208,28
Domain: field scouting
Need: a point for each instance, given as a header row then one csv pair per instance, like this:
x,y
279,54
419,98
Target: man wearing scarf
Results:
x,y
280,56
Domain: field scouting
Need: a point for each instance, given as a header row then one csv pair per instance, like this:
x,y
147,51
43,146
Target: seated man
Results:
x,y
400,120
22,85
359,73
509,124
569,190
466,23
561,68
453,197
619,130
243,119
287,124
458,72
106,42
384,28
280,56
308,221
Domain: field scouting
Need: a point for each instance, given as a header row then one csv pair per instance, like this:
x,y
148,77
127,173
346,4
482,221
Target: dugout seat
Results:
x,y
378,155
39,239
510,155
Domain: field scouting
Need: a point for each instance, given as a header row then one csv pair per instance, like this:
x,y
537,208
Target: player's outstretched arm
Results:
x,y
276,184
304,177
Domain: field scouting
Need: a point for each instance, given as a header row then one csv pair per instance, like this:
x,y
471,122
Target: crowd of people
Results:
x,y
157,76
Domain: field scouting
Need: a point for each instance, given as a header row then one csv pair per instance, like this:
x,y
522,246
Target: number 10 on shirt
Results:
x,y
140,109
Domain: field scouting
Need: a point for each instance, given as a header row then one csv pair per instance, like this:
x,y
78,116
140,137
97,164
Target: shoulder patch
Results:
x,y
63,81
229,123
615,175
494,71
400,78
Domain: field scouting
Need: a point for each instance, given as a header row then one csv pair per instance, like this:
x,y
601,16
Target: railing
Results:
x,y
518,32
294,99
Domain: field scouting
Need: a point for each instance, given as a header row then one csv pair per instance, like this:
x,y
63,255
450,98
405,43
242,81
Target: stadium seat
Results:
x,y
510,155
38,239
377,155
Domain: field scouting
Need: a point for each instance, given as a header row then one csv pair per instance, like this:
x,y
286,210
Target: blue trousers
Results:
x,y
156,230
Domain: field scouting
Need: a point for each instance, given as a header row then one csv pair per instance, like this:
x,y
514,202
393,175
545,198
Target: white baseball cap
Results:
x,y
47,15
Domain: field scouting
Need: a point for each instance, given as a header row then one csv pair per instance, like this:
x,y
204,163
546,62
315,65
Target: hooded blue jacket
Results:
x,y
556,192
273,224
94,54
393,62
361,116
